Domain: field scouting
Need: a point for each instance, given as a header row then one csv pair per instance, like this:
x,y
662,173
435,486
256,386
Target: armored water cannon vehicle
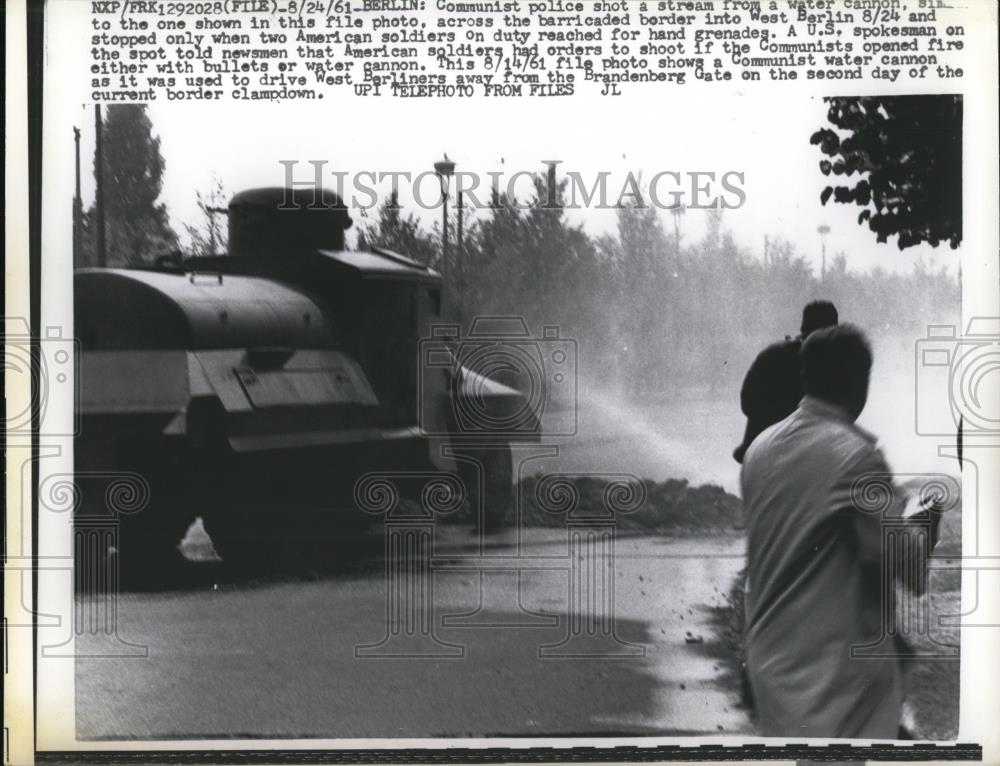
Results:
x,y
253,389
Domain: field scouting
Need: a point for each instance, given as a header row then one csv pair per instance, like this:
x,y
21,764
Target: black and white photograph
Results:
x,y
429,376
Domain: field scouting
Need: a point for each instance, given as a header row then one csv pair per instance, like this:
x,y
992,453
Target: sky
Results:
x,y
762,132
764,139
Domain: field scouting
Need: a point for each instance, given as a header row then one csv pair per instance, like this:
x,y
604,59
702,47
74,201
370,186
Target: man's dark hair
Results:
x,y
836,362
817,315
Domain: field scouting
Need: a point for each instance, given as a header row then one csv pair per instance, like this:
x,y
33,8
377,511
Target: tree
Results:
x,y
908,150
714,232
212,237
647,326
137,226
643,241
647,265
548,262
401,234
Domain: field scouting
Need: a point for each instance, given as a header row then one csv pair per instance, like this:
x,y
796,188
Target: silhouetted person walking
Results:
x,y
772,388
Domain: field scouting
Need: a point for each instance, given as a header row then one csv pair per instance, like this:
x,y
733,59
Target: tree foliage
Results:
x,y
399,233
649,320
212,235
526,257
907,151
137,227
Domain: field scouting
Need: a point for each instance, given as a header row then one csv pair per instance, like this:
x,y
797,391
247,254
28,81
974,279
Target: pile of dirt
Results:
x,y
672,505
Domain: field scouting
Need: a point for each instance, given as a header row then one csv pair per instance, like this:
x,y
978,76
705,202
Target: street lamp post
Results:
x,y
823,230
77,203
444,169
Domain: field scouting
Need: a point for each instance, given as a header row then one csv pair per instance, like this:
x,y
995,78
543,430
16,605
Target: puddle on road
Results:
x,y
664,590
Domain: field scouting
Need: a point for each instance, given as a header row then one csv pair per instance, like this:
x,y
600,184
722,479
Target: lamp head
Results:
x,y
444,169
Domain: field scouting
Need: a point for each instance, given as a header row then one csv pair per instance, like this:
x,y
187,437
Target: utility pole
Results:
x,y
823,230
444,169
459,244
102,251
445,275
77,203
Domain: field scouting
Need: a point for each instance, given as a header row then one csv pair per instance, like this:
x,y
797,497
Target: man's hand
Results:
x,y
926,511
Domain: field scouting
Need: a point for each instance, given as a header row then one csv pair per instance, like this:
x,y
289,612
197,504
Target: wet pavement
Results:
x,y
516,634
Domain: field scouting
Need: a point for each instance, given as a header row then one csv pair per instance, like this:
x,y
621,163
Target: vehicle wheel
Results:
x,y
335,538
244,541
148,546
498,487
289,540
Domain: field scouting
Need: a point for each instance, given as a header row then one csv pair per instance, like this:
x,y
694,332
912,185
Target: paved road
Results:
x,y
278,658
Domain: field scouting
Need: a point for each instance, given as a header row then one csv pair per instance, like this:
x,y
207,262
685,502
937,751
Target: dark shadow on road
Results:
x,y
197,568
276,683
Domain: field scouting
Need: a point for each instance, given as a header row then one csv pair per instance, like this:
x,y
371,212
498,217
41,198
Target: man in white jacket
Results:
x,y
816,581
